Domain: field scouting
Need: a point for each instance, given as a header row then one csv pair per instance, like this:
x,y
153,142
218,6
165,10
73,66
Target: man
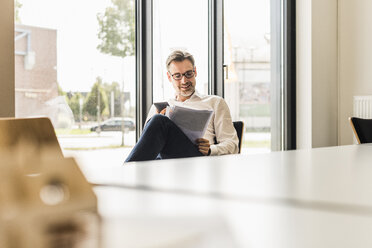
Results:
x,y
161,138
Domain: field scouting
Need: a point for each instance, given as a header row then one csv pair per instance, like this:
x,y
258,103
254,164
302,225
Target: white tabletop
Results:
x,y
142,219
337,178
305,198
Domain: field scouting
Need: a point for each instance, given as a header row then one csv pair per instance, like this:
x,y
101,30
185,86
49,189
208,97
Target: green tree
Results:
x,y
117,29
17,6
117,32
74,103
113,87
91,102
60,91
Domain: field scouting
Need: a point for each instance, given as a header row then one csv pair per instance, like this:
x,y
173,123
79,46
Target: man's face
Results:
x,y
183,78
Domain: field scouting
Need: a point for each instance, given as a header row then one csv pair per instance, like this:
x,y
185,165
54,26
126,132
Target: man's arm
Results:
x,y
227,140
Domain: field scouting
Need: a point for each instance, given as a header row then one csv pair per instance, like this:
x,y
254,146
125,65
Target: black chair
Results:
x,y
239,127
362,129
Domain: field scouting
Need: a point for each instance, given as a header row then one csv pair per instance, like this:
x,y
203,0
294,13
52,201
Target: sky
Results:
x,y
179,24
78,60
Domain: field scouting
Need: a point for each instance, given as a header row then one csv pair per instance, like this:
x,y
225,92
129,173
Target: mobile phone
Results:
x,y
160,105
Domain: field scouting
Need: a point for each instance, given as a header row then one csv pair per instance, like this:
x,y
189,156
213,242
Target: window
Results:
x,y
258,57
248,70
75,63
170,32
58,61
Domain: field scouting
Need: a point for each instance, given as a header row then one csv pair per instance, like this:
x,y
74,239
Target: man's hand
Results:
x,y
162,112
203,146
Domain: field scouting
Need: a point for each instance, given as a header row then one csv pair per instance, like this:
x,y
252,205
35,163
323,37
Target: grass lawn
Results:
x,y
257,110
256,143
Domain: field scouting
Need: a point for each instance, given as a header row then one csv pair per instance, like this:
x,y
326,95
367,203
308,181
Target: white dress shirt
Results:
x,y
220,127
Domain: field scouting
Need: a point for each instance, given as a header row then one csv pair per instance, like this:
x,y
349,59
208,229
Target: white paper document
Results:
x,y
192,122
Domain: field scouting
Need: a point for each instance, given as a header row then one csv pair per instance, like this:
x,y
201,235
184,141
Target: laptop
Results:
x,y
36,132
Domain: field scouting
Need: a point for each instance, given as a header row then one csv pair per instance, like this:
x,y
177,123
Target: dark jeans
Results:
x,y
162,137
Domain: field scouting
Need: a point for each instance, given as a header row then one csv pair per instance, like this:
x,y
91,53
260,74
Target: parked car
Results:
x,y
114,124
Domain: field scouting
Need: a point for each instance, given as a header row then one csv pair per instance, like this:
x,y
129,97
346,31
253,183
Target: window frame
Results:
x,y
283,74
216,47
144,54
289,78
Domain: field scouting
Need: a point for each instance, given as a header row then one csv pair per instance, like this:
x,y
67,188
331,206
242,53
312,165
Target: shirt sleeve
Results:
x,y
226,137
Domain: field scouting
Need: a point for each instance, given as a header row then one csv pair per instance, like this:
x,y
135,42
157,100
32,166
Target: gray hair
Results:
x,y
179,56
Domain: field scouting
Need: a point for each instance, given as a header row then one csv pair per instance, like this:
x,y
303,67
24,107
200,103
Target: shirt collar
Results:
x,y
196,95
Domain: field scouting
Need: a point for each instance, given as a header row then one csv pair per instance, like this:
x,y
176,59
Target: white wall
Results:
x,y
355,59
316,73
334,63
6,58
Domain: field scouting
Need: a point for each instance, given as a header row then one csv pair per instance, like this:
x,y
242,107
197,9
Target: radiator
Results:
x,y
363,107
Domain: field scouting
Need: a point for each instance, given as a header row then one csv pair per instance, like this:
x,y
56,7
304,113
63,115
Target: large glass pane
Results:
x,y
247,55
75,64
183,25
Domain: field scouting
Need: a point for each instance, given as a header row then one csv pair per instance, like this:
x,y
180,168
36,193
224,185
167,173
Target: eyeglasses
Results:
x,y
178,76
